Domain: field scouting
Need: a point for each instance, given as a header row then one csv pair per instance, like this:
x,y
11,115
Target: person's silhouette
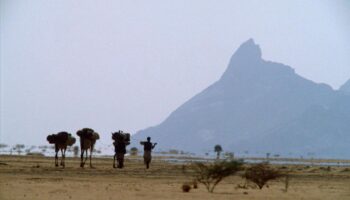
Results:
x,y
147,149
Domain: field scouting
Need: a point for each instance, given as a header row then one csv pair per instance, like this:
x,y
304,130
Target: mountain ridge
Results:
x,y
345,87
253,100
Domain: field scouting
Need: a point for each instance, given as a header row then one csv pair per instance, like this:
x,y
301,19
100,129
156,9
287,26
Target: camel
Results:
x,y
88,139
121,140
61,141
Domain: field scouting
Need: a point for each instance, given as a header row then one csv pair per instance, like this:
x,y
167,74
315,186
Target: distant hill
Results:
x,y
259,106
345,88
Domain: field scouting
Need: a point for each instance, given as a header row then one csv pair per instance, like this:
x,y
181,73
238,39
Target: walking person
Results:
x,y
147,149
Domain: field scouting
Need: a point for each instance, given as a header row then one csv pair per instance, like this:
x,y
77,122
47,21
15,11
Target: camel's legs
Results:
x,y
56,158
63,157
115,155
92,147
86,155
61,163
81,157
120,160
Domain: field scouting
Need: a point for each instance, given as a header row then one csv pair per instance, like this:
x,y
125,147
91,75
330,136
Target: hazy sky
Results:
x,y
127,65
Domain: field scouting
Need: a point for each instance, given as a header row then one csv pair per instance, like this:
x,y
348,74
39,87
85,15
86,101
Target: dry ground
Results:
x,y
26,177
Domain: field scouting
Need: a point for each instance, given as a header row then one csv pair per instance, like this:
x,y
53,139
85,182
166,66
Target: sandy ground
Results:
x,y
26,177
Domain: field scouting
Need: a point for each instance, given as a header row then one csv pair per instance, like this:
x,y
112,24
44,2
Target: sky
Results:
x,y
126,65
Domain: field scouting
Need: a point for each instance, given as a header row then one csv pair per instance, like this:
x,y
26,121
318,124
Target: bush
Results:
x,y
76,151
195,184
186,187
35,154
173,151
212,174
134,151
260,174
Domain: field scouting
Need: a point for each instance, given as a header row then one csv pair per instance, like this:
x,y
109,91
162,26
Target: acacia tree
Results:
x,y
133,151
76,151
261,173
212,174
19,148
3,146
218,150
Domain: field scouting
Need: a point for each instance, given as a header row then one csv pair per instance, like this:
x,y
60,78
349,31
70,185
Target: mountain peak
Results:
x,y
245,59
249,50
260,106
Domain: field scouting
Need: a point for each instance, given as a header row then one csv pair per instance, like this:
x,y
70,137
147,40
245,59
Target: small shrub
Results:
x,y
229,155
36,166
186,187
212,174
283,167
346,170
76,151
286,183
325,168
195,184
35,154
260,174
134,151
245,186
173,151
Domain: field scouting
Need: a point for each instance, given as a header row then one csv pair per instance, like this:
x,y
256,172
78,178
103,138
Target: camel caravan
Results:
x,y
88,138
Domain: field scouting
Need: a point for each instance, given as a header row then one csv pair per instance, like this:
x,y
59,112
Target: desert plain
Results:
x,y
36,177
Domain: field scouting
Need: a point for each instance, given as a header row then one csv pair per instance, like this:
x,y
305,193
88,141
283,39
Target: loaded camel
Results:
x,y
121,140
88,139
61,141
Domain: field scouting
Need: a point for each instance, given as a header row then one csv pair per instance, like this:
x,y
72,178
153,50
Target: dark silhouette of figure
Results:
x,y
121,140
61,141
147,151
218,150
88,139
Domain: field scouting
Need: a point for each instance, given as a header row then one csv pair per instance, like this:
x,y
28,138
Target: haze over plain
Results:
x,y
127,65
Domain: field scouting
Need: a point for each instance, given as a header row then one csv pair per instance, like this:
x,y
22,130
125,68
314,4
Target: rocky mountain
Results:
x,y
259,106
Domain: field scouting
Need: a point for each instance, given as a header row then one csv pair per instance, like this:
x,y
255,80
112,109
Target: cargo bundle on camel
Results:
x,y
121,140
61,141
88,139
